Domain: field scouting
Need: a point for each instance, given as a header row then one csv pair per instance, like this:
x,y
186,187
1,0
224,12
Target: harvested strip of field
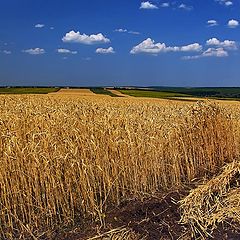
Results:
x,y
118,93
80,92
103,91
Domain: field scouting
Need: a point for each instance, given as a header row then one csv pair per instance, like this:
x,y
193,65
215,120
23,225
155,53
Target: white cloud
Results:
x,y
210,52
149,46
109,50
134,32
233,23
66,51
232,45
39,25
195,47
217,49
215,52
212,23
7,52
121,30
34,51
77,37
52,28
148,5
165,5
228,3
185,7
225,2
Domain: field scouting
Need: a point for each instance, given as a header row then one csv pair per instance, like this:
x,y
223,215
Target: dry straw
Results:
x,y
215,203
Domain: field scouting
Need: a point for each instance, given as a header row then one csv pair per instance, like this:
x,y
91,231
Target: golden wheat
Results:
x,y
66,158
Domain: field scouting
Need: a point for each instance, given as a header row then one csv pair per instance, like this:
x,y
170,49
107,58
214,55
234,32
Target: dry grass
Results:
x,y
66,159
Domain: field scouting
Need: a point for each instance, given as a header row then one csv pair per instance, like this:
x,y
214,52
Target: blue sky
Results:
x,y
128,42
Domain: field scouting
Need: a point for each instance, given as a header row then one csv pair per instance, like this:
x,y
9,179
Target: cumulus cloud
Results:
x,y
232,45
212,23
165,5
215,52
195,47
185,7
228,3
233,23
66,51
109,50
34,51
39,25
77,37
210,52
217,49
225,2
148,5
149,46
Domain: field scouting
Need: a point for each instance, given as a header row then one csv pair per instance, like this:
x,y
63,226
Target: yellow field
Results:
x,y
74,92
65,159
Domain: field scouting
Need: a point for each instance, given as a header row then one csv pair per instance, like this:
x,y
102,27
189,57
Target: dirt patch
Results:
x,y
228,231
154,218
150,219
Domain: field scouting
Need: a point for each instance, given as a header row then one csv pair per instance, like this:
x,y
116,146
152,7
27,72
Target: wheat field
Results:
x,y
68,158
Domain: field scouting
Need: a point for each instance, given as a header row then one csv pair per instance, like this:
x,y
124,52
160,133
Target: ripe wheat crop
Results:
x,y
65,159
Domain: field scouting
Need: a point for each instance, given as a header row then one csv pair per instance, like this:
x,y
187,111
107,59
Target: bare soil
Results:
x,y
151,219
